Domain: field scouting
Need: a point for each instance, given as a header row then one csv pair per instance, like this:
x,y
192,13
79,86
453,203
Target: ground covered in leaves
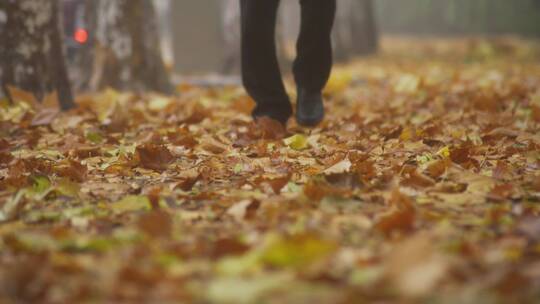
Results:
x,y
422,186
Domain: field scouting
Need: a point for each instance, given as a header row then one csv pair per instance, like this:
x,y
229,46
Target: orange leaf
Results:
x,y
438,168
401,216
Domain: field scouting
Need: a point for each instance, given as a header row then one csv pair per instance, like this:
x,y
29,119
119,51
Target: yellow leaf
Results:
x,y
297,251
339,81
297,142
131,203
444,152
406,134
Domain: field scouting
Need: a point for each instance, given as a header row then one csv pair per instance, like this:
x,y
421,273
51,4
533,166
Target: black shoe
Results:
x,y
279,111
309,108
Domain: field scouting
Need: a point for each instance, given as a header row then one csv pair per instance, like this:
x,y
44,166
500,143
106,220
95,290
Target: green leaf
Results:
x,y
40,184
87,244
94,137
238,168
79,211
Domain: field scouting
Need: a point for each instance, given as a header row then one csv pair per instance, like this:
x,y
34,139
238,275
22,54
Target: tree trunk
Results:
x,y
31,49
364,28
197,35
342,35
355,30
231,36
126,52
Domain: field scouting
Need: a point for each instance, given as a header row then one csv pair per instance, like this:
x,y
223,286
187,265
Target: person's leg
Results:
x,y
314,60
260,69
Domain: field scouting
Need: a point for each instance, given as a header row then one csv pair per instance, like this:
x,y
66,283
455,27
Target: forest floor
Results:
x,y
422,186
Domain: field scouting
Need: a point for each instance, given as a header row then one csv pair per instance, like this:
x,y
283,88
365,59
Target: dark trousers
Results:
x,y
260,68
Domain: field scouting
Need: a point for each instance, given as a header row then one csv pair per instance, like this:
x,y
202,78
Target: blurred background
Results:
x,y
128,45
201,37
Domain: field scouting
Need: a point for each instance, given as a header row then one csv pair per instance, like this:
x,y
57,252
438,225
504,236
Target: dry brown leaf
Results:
x,y
414,266
400,217
267,128
154,157
417,180
437,168
157,224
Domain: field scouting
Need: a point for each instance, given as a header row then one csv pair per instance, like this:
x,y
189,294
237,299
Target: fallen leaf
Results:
x,y
72,169
44,117
156,224
415,267
276,183
297,142
400,217
131,203
297,251
341,167
417,180
11,209
21,95
501,192
154,157
226,289
243,210
437,168
267,128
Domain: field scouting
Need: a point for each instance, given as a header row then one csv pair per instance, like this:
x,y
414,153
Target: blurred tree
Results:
x,y
125,53
364,30
460,17
355,30
31,53
211,42
197,35
231,36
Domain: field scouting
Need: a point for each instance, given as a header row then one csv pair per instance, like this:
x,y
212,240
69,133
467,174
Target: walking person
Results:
x,y
260,69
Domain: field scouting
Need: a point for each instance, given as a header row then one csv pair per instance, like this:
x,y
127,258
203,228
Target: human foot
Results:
x,y
280,112
309,108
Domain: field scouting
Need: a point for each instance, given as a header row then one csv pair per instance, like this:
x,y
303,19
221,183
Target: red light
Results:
x,y
81,36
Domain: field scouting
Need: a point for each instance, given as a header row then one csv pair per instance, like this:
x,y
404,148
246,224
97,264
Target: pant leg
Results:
x,y
314,47
260,69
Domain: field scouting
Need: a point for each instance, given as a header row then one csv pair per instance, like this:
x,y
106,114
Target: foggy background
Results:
x,y
203,35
